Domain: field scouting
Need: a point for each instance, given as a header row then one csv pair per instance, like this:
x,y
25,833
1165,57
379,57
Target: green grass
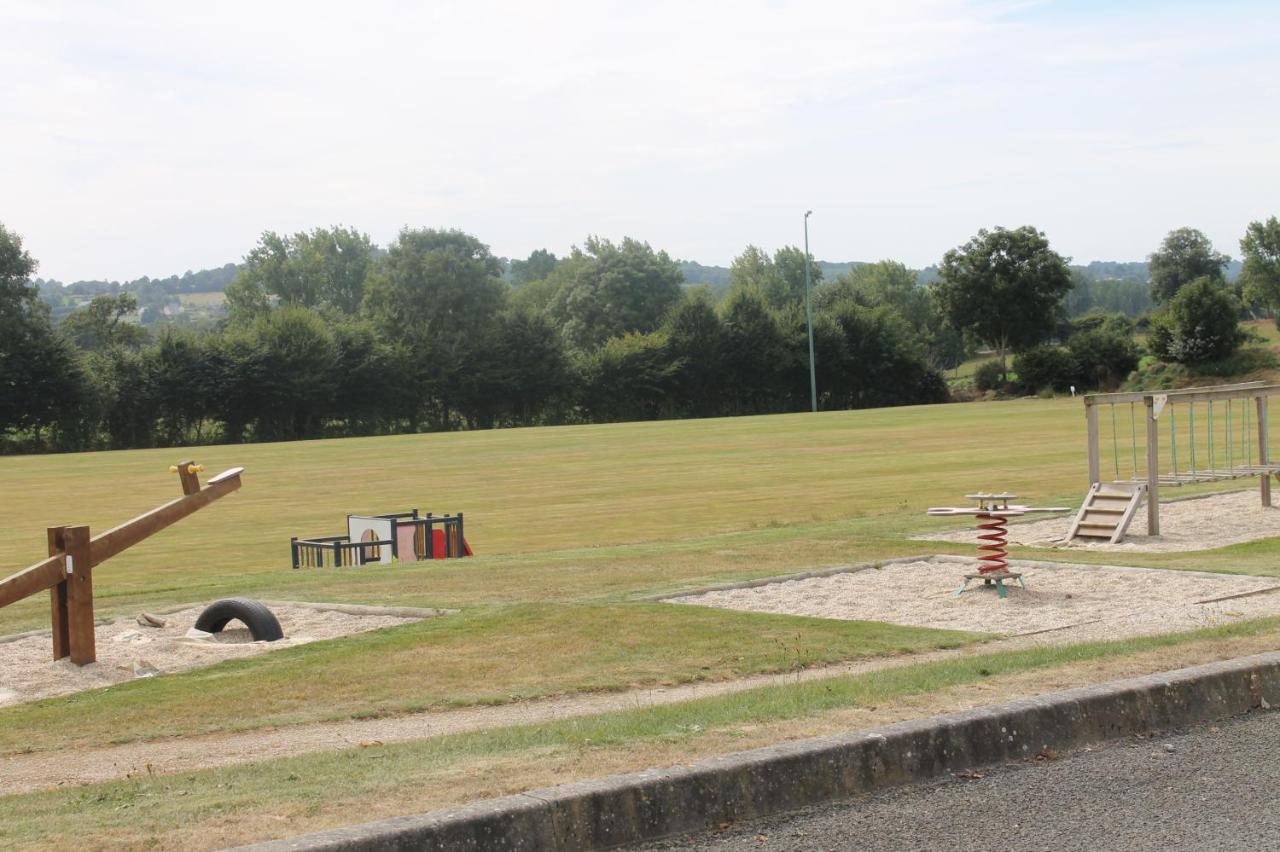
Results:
x,y
486,656
575,526
343,785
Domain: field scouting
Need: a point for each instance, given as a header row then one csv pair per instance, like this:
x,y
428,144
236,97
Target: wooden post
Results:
x,y
188,475
1091,419
58,599
79,585
1264,477
1153,468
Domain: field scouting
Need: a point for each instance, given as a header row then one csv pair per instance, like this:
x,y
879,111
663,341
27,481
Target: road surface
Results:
x,y
1210,788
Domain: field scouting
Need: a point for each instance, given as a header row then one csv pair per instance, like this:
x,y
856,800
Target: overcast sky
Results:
x,y
152,138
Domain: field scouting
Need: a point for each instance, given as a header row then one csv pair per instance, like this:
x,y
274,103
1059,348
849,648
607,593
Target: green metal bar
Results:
x,y
1115,442
1133,438
1191,415
1231,461
1173,436
1211,464
1248,444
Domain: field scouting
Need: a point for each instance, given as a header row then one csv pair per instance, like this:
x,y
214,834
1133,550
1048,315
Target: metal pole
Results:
x,y
808,309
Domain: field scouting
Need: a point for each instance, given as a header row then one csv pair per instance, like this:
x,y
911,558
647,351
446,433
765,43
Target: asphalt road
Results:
x,y
1211,788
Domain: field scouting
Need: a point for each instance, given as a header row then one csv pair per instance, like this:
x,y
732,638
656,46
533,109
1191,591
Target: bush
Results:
x,y
988,376
1199,325
1045,367
1103,357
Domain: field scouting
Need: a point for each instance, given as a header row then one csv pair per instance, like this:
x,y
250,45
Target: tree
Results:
x,y
439,292
884,364
536,267
1260,247
186,375
534,379
788,285
127,397
756,353
42,383
1200,324
103,324
339,260
327,266
753,269
282,380
1102,356
607,290
780,279
627,378
1006,287
695,347
1185,255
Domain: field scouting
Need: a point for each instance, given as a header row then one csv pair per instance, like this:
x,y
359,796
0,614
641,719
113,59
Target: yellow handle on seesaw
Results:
x,y
191,468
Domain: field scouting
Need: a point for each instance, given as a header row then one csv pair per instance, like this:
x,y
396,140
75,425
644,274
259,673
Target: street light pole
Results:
x,y
808,309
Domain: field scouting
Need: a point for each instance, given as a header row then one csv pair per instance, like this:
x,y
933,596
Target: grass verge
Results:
x,y
280,797
492,655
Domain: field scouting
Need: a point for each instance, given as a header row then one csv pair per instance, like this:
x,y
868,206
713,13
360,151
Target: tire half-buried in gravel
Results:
x,y
262,623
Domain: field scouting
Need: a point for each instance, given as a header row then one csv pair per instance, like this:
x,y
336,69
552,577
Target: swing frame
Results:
x,y
1156,404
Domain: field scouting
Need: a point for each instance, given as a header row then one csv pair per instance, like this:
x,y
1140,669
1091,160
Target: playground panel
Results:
x,y
404,536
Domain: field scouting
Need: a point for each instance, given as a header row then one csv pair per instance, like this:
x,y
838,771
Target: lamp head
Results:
x,y
806,213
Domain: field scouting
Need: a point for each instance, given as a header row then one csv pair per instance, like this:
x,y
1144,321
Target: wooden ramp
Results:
x,y
1107,510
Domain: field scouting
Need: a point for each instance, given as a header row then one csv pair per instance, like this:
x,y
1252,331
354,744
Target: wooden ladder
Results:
x,y
1107,510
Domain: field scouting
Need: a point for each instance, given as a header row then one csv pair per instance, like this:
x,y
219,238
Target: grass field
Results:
x,y
575,527
202,298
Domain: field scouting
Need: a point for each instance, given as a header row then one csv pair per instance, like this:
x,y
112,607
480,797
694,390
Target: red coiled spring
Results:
x,y
995,532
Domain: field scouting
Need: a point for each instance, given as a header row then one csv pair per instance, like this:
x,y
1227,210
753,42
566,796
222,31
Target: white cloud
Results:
x,y
147,138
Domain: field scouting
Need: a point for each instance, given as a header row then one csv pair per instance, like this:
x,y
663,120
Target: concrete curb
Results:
x,y
649,805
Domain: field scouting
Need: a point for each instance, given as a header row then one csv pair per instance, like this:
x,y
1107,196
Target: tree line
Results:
x,y
327,334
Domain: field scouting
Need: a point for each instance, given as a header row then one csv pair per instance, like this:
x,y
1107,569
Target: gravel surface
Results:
x,y
127,650
1061,602
1210,788
1196,523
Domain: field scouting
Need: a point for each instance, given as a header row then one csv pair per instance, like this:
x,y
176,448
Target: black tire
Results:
x,y
262,622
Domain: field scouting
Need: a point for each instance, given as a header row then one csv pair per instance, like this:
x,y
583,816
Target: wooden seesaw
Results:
x,y
68,572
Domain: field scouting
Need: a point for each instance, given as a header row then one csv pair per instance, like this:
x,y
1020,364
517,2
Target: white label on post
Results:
x,y
71,563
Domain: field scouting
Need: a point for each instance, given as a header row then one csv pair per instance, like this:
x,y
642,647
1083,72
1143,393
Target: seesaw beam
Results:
x,y
106,545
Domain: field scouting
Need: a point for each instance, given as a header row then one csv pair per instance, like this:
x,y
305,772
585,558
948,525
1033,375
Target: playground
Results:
x,y
1062,603
1203,522
128,650
565,657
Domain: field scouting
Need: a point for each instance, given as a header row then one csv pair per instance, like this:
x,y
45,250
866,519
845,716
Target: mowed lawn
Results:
x,y
574,526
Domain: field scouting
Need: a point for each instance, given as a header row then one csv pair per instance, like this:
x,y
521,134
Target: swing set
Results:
x,y
1214,434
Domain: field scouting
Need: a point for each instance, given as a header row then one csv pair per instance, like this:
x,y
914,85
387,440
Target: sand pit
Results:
x,y
1195,523
127,650
1062,602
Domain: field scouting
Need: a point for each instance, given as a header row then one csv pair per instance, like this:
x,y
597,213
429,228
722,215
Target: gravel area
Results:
x,y
1196,523
128,650
1068,602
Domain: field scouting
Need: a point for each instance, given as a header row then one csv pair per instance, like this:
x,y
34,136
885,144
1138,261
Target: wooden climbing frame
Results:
x,y
1232,443
73,554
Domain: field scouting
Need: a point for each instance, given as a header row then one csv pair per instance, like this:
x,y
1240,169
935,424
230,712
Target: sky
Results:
x,y
141,138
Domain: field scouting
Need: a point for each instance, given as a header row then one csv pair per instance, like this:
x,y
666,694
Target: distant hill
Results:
x,y
717,277
63,298
157,297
